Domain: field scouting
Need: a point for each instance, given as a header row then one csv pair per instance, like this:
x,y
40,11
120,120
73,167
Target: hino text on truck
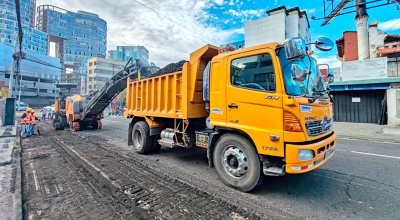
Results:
x,y
263,110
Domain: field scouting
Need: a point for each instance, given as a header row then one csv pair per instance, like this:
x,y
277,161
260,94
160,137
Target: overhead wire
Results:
x,y
182,25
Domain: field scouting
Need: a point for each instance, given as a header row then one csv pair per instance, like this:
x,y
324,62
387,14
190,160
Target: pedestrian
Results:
x,y
33,123
25,122
48,113
44,113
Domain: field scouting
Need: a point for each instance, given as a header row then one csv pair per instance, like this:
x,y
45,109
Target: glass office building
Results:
x,y
37,80
77,37
33,40
124,53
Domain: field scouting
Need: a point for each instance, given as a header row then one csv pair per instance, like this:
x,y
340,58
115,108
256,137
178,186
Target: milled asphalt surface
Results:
x,y
361,181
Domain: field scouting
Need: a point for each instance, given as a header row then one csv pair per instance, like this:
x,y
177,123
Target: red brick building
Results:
x,y
347,46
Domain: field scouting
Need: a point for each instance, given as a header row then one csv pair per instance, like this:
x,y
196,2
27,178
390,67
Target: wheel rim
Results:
x,y
137,139
234,161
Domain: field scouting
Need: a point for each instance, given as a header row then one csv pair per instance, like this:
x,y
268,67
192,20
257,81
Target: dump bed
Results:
x,y
174,95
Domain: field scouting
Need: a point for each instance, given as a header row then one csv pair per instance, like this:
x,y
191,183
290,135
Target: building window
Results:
x,y
90,64
90,71
254,72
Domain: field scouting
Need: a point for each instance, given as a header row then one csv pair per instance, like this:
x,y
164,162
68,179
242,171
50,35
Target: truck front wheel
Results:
x,y
142,142
236,162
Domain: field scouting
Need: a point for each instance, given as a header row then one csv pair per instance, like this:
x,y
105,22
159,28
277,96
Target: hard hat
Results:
x,y
29,110
33,111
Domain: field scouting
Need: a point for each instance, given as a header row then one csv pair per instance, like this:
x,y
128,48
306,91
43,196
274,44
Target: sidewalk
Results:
x,y
10,173
361,131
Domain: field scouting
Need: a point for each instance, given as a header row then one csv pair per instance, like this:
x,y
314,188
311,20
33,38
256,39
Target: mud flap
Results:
x,y
212,140
130,130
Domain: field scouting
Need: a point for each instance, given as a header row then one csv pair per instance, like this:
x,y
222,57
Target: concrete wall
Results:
x,y
277,27
393,105
265,30
376,38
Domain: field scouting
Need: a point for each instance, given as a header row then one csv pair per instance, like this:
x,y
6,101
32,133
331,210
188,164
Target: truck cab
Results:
x,y
255,92
259,111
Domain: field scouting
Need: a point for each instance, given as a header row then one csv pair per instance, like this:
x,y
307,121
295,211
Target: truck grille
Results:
x,y
315,128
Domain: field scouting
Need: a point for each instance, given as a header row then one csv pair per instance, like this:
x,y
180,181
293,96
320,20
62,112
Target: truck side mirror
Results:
x,y
299,73
324,44
331,76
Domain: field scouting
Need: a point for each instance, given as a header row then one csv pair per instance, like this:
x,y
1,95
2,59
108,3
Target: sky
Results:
x,y
172,29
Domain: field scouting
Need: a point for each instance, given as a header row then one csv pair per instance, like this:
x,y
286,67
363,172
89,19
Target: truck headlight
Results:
x,y
306,154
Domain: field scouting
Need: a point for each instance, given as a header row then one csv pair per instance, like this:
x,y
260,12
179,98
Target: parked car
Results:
x,y
21,107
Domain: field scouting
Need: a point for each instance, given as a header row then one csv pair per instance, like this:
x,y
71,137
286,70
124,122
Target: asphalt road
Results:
x,y
361,181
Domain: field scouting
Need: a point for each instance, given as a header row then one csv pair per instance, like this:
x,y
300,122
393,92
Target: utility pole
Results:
x,y
19,92
11,82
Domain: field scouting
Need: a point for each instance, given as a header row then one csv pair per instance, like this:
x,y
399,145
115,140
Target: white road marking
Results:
x,y
60,187
370,154
36,181
378,155
47,189
55,186
90,164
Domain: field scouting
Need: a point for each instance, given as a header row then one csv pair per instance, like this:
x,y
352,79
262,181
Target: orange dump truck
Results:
x,y
258,111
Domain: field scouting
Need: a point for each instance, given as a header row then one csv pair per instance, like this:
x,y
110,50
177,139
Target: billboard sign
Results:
x,y
375,68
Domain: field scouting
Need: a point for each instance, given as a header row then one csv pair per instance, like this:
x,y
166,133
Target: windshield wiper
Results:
x,y
316,95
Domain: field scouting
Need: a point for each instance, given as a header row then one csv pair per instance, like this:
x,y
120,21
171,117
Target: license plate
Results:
x,y
328,153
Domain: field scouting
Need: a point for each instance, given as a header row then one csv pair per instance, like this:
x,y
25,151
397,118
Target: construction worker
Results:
x,y
33,122
26,122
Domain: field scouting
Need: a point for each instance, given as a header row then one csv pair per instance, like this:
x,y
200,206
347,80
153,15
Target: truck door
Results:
x,y
254,99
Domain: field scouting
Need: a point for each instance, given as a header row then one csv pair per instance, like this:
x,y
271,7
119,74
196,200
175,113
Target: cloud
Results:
x,y
246,13
332,61
311,11
200,4
219,2
393,24
184,27
276,2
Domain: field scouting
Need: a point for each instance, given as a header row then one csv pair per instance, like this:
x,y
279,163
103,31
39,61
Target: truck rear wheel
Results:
x,y
142,142
237,163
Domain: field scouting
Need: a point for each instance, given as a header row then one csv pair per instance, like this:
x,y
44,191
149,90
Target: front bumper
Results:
x,y
295,166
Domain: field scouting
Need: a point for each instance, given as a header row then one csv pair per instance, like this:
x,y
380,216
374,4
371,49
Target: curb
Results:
x,y
377,140
11,175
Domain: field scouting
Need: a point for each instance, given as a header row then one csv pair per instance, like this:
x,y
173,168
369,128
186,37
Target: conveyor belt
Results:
x,y
110,90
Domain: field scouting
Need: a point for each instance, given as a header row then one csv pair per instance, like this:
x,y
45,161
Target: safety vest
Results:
x,y
33,119
28,119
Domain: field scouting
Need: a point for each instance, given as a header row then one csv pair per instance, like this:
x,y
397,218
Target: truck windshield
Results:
x,y
296,88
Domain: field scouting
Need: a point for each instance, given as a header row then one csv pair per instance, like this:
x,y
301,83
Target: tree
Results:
x,y
4,92
121,98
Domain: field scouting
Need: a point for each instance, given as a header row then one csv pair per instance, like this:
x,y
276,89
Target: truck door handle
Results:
x,y
233,106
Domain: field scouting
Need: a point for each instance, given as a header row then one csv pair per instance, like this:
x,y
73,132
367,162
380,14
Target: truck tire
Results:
x,y
142,142
237,163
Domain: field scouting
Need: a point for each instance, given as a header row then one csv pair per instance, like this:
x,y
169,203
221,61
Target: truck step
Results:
x,y
274,171
167,143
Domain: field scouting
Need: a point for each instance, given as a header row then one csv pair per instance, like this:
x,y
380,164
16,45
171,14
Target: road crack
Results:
x,y
363,178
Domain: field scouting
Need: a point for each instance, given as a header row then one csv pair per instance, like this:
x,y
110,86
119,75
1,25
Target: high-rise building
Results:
x,y
33,39
100,71
77,37
37,80
281,24
124,53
